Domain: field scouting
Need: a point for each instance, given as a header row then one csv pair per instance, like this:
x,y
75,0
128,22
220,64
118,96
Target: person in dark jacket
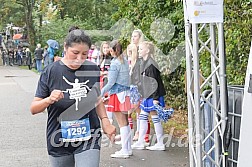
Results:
x,y
153,94
38,57
29,58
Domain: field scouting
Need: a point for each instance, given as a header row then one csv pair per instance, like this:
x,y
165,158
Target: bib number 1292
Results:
x,y
78,130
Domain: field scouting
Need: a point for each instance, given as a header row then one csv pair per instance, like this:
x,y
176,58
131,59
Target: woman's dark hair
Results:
x,y
73,28
77,36
117,47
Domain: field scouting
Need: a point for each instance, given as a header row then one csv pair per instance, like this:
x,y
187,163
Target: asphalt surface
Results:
x,y
23,141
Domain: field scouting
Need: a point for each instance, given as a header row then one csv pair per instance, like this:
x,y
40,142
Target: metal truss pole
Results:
x,y
189,95
196,95
223,88
201,40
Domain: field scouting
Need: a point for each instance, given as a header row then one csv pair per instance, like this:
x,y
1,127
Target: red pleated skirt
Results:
x,y
114,105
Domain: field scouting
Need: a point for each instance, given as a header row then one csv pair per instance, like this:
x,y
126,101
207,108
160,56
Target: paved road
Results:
x,y
22,141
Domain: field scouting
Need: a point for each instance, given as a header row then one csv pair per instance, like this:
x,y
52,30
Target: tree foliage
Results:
x,y
143,14
50,19
238,35
11,12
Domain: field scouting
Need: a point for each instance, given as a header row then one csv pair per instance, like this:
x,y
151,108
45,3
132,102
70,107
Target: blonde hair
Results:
x,y
151,48
141,36
39,45
133,49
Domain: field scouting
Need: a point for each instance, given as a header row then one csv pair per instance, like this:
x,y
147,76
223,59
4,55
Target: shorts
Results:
x,y
84,159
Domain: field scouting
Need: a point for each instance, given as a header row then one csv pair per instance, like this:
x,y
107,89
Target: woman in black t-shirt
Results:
x,y
69,89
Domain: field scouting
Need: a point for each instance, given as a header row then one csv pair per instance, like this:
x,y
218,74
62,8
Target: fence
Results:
x,y
235,97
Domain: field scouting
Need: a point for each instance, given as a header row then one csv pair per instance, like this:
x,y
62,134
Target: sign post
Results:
x,y
205,11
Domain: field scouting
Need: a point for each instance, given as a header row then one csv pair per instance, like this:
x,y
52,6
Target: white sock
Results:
x,y
124,137
158,129
138,123
129,137
143,118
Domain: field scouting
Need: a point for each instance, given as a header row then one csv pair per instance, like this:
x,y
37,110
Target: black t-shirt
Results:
x,y
70,109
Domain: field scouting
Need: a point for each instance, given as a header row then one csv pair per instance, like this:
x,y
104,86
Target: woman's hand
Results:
x,y
108,129
55,96
105,72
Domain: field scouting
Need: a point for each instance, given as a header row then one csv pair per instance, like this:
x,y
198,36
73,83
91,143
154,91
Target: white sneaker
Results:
x,y
138,146
120,154
156,147
129,152
146,144
118,142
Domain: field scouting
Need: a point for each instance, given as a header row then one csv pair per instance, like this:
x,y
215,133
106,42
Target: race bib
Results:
x,y
78,130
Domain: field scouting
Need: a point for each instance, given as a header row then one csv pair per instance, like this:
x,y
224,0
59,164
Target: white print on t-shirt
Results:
x,y
78,91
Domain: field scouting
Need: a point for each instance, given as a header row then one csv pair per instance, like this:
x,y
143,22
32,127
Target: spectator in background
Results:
x,y
19,56
119,100
51,53
24,56
90,52
38,57
46,57
11,56
95,57
29,58
1,38
153,93
7,32
105,61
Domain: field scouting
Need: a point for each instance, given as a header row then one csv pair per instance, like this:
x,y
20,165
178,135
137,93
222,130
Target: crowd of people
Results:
x,y
19,56
89,86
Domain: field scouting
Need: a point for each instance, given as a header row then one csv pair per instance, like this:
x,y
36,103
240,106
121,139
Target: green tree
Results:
x,y
238,35
143,14
11,12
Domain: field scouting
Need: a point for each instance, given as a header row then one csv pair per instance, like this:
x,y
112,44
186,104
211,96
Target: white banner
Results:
x,y
245,144
205,11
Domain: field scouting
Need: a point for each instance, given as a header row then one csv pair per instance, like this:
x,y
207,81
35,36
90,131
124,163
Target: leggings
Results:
x,y
89,158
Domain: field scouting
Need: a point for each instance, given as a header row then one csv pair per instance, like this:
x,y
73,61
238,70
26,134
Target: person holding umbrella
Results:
x,y
51,53
52,46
